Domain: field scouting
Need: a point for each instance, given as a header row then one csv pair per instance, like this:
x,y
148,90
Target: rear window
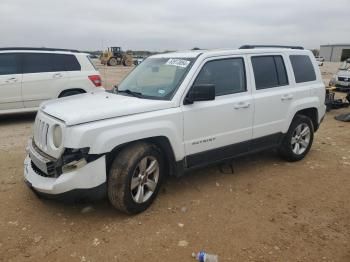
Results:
x,y
9,64
44,62
302,68
269,71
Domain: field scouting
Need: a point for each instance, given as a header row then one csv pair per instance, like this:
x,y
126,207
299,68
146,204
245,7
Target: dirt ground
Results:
x,y
267,210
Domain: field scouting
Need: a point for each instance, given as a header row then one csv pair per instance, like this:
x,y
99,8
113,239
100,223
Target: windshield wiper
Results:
x,y
129,92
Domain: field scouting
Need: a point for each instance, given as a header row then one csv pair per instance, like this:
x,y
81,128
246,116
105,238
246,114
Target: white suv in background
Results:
x,y
29,76
172,113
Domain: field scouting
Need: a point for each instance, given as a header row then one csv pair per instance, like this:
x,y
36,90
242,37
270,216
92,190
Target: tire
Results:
x,y
298,140
70,93
113,61
129,185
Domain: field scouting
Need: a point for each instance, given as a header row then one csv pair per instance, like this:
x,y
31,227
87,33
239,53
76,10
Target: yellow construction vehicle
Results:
x,y
115,56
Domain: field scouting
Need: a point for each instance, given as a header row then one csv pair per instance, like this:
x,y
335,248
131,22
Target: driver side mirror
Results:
x,y
204,92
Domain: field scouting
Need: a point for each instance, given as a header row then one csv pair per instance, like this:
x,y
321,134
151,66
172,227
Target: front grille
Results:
x,y
344,79
39,172
40,133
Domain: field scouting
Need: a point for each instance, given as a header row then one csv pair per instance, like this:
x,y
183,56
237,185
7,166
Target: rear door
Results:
x,y
42,79
222,128
10,81
272,97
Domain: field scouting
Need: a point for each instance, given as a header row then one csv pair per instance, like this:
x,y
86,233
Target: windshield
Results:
x,y
345,65
156,78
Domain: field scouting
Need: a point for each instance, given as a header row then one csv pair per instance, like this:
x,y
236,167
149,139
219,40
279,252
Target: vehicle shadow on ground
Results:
x,y
17,118
198,180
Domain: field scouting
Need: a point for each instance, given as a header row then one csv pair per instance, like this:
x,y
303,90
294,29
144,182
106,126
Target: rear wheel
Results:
x,y
298,140
135,177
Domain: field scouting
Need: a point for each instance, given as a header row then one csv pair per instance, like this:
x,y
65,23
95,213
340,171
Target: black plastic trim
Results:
x,y
232,151
75,195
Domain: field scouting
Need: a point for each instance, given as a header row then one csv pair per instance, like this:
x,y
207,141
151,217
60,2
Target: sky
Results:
x,y
159,25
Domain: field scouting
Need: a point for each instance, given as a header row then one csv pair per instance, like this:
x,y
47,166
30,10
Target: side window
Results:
x,y
58,62
36,63
9,64
302,68
62,62
269,71
228,76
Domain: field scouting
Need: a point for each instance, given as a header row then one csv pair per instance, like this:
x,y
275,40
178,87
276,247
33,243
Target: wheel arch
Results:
x,y
311,113
81,90
308,106
161,142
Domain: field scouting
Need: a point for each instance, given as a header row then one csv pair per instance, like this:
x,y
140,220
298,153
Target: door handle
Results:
x,y
242,105
287,97
11,80
57,75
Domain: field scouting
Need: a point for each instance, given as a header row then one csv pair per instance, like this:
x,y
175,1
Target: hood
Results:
x,y
90,107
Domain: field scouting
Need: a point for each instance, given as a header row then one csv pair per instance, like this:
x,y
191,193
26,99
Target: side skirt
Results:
x,y
227,152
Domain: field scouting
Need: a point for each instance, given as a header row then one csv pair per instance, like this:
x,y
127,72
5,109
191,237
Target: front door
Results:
x,y
219,129
10,82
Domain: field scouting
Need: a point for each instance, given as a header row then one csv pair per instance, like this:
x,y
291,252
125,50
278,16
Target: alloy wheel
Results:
x,y
300,139
145,179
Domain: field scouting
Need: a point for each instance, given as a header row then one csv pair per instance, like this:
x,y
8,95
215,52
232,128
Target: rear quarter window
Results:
x,y
303,68
63,62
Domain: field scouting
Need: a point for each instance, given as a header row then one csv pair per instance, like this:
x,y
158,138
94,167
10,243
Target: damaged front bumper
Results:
x,y
67,176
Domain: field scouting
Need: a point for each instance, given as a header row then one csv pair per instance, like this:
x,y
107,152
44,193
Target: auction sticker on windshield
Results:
x,y
178,62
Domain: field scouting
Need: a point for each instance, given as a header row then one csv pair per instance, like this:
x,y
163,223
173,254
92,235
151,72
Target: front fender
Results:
x,y
104,135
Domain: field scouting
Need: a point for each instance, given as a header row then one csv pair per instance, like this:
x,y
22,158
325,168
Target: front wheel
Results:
x,y
113,61
135,177
298,140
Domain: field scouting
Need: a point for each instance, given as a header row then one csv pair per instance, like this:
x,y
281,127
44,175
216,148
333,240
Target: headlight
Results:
x,y
57,136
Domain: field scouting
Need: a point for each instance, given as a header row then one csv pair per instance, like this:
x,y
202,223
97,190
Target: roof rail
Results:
x,y
37,49
270,46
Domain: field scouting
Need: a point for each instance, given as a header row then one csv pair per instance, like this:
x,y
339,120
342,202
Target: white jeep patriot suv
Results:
x,y
29,76
174,112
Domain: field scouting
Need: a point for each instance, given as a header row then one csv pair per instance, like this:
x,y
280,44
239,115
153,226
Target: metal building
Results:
x,y
335,52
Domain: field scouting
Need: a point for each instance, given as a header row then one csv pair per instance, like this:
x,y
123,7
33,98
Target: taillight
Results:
x,y
96,79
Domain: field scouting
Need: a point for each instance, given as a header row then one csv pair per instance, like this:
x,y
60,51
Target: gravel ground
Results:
x,y
267,210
